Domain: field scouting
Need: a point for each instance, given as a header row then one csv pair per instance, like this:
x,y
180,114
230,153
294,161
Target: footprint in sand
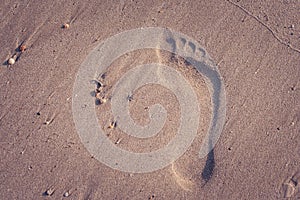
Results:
x,y
94,137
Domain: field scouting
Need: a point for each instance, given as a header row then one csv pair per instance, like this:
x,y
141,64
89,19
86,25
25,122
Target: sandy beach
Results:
x,y
255,47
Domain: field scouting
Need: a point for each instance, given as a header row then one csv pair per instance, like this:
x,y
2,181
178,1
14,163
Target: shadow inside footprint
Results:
x,y
209,166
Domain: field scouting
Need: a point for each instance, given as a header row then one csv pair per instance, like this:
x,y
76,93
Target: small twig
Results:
x,y
265,25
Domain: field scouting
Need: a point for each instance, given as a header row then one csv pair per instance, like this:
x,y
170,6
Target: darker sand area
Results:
x,y
256,47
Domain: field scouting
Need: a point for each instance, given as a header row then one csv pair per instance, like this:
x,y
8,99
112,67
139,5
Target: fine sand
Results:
x,y
256,46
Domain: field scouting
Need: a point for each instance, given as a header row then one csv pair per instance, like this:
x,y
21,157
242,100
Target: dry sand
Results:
x,y
256,46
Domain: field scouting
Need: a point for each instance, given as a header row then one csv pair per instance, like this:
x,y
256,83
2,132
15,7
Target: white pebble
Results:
x,y
66,194
66,26
11,61
49,192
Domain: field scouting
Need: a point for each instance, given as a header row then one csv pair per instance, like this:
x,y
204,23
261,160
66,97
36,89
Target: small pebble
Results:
x,y
22,48
292,123
11,61
103,100
66,26
99,84
100,100
66,194
112,125
49,192
98,95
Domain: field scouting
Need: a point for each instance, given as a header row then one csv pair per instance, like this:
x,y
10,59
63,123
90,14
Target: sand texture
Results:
x,y
254,44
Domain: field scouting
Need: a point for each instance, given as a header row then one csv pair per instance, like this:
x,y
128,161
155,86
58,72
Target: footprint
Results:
x,y
177,44
197,56
192,46
187,48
